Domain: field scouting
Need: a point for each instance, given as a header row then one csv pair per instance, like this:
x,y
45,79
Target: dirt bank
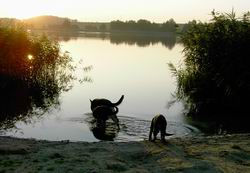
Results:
x,y
229,153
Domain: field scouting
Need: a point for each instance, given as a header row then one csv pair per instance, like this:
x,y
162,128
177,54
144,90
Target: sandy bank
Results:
x,y
229,153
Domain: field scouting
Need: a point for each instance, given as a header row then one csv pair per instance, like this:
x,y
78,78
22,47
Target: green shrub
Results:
x,y
215,79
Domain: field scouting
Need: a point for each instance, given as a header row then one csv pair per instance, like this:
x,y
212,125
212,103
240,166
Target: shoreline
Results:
x,y
229,153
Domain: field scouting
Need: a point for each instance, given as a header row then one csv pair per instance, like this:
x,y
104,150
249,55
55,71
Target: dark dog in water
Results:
x,y
103,113
103,109
158,124
104,102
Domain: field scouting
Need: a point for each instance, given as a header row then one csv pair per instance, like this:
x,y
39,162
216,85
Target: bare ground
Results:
x,y
207,154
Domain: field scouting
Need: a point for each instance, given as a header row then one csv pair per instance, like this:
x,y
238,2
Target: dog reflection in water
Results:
x,y
105,132
102,128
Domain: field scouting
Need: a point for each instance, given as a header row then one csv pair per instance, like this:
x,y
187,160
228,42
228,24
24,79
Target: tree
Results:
x,y
143,24
33,73
169,26
187,26
117,25
66,24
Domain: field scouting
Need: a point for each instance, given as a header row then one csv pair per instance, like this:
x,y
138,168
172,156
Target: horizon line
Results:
x,y
77,20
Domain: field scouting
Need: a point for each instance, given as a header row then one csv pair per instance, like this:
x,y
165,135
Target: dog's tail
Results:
x,y
119,101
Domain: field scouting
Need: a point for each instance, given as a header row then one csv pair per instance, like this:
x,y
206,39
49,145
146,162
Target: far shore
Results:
x,y
114,32
209,154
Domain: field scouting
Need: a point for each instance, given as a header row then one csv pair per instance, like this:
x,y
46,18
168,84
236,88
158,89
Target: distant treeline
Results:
x,y
65,25
144,25
55,23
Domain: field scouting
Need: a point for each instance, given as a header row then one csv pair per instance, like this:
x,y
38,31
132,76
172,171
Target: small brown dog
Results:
x,y
158,124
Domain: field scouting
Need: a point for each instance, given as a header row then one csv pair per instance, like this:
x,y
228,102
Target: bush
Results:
x,y
33,72
215,80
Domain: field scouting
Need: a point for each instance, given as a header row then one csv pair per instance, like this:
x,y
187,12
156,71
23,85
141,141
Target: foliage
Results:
x,y
187,26
143,25
66,25
214,82
33,72
169,26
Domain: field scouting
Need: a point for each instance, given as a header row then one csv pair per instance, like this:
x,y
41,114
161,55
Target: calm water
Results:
x,y
136,68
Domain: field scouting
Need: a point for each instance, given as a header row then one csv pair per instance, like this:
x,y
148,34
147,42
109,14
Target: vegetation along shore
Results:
x,y
213,83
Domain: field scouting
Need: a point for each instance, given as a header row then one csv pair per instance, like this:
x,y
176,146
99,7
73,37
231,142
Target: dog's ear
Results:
x,y
90,101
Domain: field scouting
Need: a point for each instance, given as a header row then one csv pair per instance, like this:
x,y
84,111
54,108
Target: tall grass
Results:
x,y
215,79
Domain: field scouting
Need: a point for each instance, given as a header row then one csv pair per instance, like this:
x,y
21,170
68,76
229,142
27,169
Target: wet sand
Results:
x,y
209,154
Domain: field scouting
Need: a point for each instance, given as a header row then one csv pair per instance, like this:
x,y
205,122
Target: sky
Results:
x,y
107,10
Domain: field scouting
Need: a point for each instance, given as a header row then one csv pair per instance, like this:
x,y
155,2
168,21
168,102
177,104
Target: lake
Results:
x,y
108,66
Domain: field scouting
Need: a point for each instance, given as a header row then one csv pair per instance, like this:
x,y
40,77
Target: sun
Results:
x,y
25,8
30,57
24,14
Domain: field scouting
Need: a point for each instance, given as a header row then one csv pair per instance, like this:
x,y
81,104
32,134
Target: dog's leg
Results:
x,y
156,131
151,131
163,135
163,131
115,119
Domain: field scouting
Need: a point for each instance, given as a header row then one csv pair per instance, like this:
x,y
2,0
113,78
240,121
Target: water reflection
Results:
x,y
31,86
147,84
139,39
144,40
107,131
67,36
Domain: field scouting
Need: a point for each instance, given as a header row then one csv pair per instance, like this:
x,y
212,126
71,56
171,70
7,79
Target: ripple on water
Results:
x,y
135,129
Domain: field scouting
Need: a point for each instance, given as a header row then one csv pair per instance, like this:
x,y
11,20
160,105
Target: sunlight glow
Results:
x,y
30,57
30,8
106,11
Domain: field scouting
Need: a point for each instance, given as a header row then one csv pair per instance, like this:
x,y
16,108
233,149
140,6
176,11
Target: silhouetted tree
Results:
x,y
169,26
66,23
33,73
188,25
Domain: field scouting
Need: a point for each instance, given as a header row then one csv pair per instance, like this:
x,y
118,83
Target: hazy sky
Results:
x,y
107,10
